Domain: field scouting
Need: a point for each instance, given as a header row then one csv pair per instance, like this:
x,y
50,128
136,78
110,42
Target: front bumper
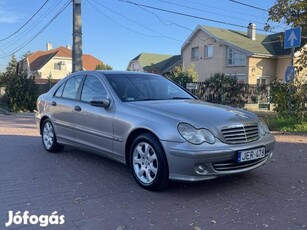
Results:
x,y
185,159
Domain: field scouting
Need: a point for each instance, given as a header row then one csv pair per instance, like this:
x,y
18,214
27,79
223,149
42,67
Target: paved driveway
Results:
x,y
96,193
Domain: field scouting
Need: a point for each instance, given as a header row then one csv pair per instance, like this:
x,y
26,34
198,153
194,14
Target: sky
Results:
x,y
116,31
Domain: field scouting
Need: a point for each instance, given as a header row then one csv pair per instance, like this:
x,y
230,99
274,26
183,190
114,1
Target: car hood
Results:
x,y
198,113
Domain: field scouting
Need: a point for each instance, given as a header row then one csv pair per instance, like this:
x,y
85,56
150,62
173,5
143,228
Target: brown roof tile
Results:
x,y
90,62
38,59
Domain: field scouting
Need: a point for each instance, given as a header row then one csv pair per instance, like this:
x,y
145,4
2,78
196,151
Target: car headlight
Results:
x,y
195,136
263,128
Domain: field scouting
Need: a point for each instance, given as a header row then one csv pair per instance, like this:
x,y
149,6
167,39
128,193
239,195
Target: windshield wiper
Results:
x,y
181,98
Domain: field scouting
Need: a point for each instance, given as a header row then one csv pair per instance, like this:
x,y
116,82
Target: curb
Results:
x,y
20,114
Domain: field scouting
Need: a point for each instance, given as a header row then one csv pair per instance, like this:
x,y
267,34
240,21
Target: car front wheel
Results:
x,y
148,162
49,138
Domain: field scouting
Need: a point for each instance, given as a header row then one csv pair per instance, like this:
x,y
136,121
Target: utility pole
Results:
x,y
77,37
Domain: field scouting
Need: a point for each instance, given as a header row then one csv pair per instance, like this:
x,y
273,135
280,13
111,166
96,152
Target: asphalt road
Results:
x,y
95,193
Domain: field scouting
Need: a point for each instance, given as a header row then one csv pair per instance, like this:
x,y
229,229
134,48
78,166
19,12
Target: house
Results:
x,y
54,63
253,58
154,63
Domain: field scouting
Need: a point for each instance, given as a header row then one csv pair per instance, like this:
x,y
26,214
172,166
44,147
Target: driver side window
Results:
x,y
92,88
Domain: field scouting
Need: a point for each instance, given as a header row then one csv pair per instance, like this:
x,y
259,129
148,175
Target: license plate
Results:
x,y
252,154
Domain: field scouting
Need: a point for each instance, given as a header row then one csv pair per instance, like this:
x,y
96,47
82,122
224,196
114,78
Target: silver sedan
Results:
x,y
146,121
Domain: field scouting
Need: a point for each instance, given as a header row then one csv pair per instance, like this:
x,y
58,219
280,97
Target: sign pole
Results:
x,y
292,56
291,80
292,39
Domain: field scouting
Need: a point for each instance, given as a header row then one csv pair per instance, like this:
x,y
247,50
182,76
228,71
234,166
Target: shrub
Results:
x,y
22,93
182,77
289,99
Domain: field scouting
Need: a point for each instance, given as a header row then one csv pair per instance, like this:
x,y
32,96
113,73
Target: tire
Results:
x,y
148,162
49,138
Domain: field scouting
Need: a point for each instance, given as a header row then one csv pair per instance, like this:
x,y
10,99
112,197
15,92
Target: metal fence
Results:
x,y
44,88
238,95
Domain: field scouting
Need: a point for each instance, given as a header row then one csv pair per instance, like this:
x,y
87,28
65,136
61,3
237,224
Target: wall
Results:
x,y
56,74
205,67
135,66
265,67
281,65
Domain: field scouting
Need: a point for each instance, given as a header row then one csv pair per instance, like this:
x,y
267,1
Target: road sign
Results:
x,y
289,74
292,38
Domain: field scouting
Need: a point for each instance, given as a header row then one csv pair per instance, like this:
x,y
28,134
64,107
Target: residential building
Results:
x,y
154,63
54,63
253,58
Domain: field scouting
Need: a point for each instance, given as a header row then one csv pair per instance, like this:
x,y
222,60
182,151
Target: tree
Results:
x,y
25,55
103,66
12,65
182,77
22,93
290,12
300,64
10,71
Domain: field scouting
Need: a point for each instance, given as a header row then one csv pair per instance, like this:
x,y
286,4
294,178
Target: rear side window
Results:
x,y
71,87
59,91
92,88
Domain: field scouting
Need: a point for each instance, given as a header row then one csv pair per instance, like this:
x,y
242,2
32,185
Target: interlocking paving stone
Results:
x,y
96,193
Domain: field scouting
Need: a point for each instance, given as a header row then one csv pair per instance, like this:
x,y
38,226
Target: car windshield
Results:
x,y
143,87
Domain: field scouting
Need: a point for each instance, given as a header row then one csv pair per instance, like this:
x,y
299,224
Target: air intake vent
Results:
x,y
240,133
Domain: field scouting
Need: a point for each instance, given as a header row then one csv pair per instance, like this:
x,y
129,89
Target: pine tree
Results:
x,y
10,71
11,66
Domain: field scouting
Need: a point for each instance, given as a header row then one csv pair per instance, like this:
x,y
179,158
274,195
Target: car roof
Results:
x,y
116,72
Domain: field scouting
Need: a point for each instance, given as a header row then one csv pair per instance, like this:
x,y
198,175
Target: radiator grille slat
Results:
x,y
236,166
241,134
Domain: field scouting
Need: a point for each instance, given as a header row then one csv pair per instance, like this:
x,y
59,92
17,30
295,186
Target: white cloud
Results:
x,y
7,16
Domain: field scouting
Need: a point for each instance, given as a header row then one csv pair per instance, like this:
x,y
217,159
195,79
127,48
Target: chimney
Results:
x,y
68,47
48,46
251,31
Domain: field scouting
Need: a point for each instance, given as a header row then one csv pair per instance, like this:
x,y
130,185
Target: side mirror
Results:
x,y
100,102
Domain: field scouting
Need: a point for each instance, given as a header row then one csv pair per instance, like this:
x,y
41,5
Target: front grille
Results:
x,y
240,133
230,166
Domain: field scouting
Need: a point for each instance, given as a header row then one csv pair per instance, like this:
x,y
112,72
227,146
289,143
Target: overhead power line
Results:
x,y
186,15
198,3
30,27
3,39
210,12
39,32
248,5
137,23
118,23
170,23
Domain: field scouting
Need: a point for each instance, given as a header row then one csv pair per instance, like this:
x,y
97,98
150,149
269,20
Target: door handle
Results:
x,y
77,108
53,103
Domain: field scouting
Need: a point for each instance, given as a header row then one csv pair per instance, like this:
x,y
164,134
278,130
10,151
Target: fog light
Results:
x,y
271,154
201,169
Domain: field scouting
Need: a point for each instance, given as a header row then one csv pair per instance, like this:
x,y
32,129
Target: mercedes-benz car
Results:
x,y
153,125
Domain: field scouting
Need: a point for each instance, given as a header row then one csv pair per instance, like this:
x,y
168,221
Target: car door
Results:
x,y
94,125
62,105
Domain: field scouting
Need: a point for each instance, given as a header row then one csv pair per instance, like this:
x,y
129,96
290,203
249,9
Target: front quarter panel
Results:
x,y
127,120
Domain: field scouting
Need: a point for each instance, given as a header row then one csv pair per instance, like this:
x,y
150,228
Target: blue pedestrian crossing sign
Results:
x,y
289,74
292,38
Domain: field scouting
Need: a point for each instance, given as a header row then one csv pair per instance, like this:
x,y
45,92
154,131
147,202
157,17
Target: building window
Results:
x,y
195,53
261,80
57,66
235,57
209,51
